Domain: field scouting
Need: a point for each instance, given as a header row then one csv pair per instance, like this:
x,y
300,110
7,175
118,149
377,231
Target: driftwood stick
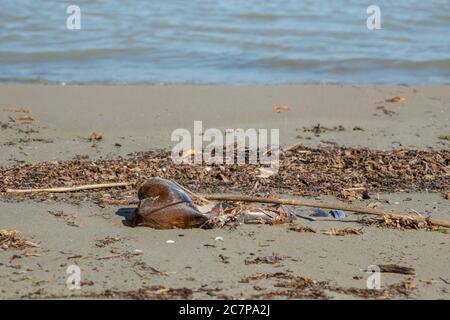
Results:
x,y
317,204
70,189
192,193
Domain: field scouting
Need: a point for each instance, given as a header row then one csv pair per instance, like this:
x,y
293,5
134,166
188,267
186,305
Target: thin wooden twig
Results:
x,y
191,193
355,189
317,204
70,189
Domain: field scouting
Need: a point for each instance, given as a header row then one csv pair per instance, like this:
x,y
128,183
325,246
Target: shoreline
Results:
x,y
57,122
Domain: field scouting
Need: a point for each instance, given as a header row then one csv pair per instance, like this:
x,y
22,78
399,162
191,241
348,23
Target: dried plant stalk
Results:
x,y
71,189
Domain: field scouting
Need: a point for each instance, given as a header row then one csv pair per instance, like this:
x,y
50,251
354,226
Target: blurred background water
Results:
x,y
225,42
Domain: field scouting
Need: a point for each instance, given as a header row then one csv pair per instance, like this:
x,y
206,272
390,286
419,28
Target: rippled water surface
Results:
x,y
225,42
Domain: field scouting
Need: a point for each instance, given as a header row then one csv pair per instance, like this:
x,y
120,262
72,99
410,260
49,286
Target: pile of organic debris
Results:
x,y
342,172
302,171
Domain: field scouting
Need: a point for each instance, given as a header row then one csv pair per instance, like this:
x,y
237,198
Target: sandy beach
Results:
x,y
40,123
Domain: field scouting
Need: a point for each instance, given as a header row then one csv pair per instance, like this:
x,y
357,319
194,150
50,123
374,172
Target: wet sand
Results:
x,y
140,118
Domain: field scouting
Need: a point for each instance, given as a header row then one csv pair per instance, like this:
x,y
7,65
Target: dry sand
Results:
x,y
139,118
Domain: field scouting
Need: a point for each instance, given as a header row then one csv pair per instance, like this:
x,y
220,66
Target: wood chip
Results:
x,y
394,268
31,254
280,108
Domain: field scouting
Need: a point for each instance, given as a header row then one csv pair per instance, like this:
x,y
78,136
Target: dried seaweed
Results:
x,y
13,239
317,171
343,232
272,259
403,288
266,276
225,215
401,223
106,241
70,219
146,293
298,287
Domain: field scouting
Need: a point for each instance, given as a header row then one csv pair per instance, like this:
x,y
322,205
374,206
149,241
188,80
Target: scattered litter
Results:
x,y
170,241
165,205
343,232
447,137
267,216
319,213
138,251
398,99
223,215
218,239
337,213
